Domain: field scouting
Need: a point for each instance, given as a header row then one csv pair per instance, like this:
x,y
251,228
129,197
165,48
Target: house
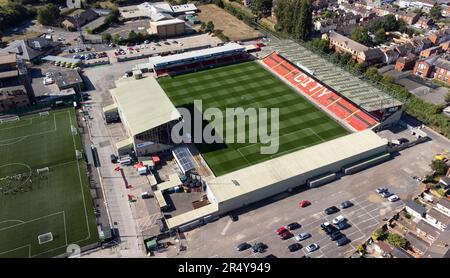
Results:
x,y
400,253
415,209
406,63
383,248
404,49
443,206
80,19
430,51
30,50
420,44
445,46
370,56
390,56
343,44
439,37
424,22
437,219
409,17
434,67
425,230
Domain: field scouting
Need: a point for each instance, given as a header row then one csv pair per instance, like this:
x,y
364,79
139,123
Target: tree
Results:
x,y
372,74
48,14
113,16
439,167
106,37
397,240
447,97
377,234
360,35
116,38
210,26
380,35
261,7
436,12
182,2
203,26
132,36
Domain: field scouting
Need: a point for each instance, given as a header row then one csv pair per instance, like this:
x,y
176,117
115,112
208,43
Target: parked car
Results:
x,y
343,225
304,203
294,247
393,198
330,229
302,236
336,235
324,225
243,246
312,247
259,247
281,230
346,204
48,81
386,194
293,226
380,190
338,219
342,241
285,235
331,210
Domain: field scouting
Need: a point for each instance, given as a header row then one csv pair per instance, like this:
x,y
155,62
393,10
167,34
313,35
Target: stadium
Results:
x,y
323,134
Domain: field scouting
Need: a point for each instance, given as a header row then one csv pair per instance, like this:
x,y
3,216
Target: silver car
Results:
x,y
313,247
302,236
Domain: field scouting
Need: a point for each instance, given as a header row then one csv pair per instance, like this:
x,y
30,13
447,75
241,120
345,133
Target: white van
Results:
x,y
338,219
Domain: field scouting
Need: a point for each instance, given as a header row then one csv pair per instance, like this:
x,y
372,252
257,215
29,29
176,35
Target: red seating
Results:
x,y
320,94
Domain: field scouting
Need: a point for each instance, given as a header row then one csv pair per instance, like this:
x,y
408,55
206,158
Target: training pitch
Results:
x,y
42,213
250,85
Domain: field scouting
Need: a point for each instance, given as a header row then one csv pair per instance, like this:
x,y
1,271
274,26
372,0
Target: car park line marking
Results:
x,y
224,231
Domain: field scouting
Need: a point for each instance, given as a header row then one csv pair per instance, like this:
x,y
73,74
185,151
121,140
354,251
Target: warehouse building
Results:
x,y
167,28
146,113
254,183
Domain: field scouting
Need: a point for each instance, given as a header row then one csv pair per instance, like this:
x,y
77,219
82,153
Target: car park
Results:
x,y
393,198
302,236
304,203
346,204
342,241
243,246
338,219
294,247
336,235
312,247
293,226
331,210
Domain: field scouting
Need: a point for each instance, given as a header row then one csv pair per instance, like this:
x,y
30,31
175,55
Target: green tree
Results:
x,y
209,26
261,7
106,37
372,74
380,35
360,35
397,240
439,167
116,38
48,14
113,16
182,2
436,12
378,233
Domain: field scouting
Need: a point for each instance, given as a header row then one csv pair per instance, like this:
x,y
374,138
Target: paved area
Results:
x,y
259,221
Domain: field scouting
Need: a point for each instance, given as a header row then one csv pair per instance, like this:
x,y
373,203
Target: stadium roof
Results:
x,y
304,161
196,54
143,104
353,88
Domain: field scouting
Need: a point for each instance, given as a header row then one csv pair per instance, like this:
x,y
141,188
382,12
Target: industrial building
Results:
x,y
167,28
320,163
146,113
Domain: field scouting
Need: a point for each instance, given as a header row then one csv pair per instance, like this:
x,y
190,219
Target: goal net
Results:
x,y
43,170
44,238
9,119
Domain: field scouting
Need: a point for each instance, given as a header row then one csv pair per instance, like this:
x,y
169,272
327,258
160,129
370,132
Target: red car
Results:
x,y
304,203
281,230
285,235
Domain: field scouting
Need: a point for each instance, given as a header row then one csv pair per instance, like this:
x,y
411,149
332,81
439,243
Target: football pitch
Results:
x,y
42,212
247,85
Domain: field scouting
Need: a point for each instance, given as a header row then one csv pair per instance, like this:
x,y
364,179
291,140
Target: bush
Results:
x,y
397,240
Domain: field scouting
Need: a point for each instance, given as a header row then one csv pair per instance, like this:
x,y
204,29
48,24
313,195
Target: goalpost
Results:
x,y
43,170
44,238
46,113
9,119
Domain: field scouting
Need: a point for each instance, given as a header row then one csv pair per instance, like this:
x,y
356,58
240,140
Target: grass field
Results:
x,y
250,85
34,204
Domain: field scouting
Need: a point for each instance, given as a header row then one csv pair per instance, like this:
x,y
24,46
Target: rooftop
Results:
x,y
67,78
271,172
184,8
167,22
439,216
416,207
8,58
143,103
349,43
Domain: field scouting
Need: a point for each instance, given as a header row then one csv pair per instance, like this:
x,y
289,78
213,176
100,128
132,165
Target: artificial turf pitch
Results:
x,y
246,85
58,201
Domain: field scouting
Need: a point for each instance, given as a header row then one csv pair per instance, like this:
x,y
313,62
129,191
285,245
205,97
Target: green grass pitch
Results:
x,y
58,201
250,85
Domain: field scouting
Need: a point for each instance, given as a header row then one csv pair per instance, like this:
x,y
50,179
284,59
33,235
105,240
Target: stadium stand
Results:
x,y
198,59
335,103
